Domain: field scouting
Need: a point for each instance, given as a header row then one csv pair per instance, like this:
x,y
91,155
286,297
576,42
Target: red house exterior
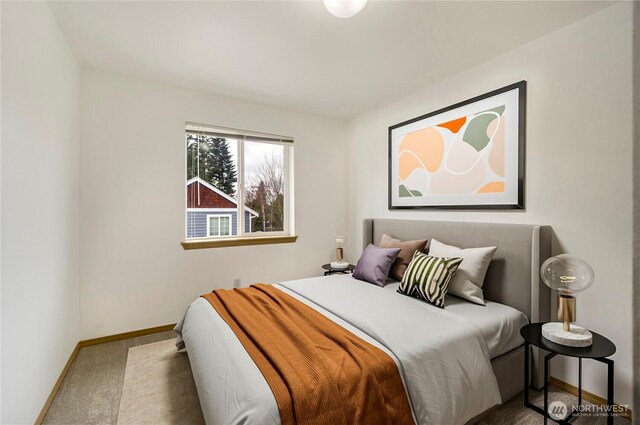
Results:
x,y
211,212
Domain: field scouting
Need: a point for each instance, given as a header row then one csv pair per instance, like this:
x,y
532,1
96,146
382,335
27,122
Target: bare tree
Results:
x,y
271,172
265,194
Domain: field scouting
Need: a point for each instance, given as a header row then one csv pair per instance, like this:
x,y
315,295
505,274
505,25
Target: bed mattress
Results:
x,y
499,324
442,357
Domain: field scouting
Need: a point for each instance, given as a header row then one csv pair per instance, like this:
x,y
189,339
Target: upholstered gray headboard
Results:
x,y
513,277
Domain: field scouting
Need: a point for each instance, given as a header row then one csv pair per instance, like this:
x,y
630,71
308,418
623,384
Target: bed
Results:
x,y
467,361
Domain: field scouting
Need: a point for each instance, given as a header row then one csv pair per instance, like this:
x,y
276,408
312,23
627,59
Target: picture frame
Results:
x,y
470,155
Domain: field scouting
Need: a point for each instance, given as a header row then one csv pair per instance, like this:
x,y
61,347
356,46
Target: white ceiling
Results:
x,y
295,54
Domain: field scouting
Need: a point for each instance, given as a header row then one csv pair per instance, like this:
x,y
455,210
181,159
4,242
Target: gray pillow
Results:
x,y
469,278
375,263
407,249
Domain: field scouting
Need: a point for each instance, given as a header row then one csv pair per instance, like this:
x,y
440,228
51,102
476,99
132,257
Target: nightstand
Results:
x,y
599,350
330,270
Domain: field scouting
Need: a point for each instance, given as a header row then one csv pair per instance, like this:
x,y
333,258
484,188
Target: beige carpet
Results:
x,y
158,387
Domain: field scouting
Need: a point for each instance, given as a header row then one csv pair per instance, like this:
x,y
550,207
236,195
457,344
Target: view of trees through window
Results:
x,y
210,158
264,185
214,160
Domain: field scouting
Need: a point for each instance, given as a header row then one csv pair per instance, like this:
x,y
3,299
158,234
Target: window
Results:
x,y
239,186
219,225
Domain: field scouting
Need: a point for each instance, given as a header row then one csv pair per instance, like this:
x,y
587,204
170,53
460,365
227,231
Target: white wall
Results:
x,y
40,122
134,272
578,164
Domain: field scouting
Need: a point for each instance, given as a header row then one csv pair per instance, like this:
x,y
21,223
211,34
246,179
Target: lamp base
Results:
x,y
576,337
339,264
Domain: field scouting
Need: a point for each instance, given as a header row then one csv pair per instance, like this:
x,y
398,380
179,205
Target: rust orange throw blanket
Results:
x,y
319,372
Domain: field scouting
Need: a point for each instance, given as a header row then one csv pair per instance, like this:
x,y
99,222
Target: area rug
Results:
x,y
158,387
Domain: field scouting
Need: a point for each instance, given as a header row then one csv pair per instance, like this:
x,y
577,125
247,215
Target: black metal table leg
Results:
x,y
609,363
527,381
579,382
600,349
547,358
546,385
526,374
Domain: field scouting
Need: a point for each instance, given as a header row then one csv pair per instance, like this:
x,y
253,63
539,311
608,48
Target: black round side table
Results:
x,y
599,350
331,270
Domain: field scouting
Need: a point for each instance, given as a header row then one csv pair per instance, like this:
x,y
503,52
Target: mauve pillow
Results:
x,y
374,264
407,249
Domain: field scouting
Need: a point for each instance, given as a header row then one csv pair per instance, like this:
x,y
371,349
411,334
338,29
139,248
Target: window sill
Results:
x,y
221,243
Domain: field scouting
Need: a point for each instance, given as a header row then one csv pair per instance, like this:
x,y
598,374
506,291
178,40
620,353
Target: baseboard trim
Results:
x,y
125,335
586,395
56,386
88,343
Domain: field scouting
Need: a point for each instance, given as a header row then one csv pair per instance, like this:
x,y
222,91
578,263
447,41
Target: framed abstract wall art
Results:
x,y
468,155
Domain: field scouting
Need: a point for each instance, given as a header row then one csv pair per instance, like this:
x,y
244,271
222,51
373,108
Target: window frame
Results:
x,y
219,216
241,137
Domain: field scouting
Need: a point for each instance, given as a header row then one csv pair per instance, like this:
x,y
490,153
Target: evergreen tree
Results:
x,y
210,159
255,198
223,172
277,213
192,155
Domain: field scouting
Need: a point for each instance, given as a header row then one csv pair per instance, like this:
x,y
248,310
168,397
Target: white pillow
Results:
x,y
468,280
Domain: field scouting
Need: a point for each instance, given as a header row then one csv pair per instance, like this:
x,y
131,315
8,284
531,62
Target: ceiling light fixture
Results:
x,y
344,8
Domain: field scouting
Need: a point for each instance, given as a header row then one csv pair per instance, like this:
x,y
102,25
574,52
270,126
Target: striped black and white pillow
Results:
x,y
428,277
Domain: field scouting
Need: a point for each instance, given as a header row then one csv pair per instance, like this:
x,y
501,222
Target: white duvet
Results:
x,y
443,358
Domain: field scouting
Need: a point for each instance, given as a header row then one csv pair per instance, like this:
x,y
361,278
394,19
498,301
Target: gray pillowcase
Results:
x,y
407,249
375,263
469,278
